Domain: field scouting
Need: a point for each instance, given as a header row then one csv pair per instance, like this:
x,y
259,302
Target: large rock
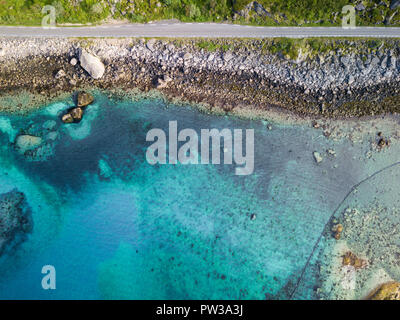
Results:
x,y
15,219
74,115
67,118
91,64
26,142
386,291
84,99
77,114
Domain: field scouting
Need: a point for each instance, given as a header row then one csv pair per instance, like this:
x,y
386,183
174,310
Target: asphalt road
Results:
x,y
197,30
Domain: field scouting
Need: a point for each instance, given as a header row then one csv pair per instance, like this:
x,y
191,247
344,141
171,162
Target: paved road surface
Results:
x,y
197,30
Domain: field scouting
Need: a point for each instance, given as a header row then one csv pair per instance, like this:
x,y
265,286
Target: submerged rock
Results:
x,y
337,231
105,170
386,291
15,219
49,125
350,259
67,118
84,99
91,64
26,142
317,157
51,136
60,74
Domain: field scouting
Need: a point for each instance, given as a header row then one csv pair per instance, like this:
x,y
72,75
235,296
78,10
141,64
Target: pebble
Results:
x,y
317,157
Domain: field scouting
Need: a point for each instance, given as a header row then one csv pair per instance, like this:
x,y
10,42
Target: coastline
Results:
x,y
235,76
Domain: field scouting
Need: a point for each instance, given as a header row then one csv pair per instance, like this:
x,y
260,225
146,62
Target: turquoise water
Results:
x,y
115,227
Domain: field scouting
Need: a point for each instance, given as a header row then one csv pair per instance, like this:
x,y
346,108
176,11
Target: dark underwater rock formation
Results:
x,y
75,114
15,218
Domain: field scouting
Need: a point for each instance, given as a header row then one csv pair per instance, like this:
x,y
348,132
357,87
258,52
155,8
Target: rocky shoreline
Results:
x,y
355,79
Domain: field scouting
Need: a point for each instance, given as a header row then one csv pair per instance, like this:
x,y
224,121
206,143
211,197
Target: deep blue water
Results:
x,y
165,231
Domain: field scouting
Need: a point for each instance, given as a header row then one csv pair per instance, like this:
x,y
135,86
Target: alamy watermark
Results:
x,y
349,17
49,20
188,152
49,280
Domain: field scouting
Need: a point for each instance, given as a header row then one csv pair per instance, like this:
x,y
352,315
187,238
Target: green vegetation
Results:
x,y
291,48
278,12
310,47
211,45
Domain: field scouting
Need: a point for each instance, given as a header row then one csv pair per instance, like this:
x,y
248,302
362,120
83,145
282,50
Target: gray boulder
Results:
x,y
91,64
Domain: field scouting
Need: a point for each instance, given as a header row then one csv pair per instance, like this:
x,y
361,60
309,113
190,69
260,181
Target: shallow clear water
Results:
x,y
167,231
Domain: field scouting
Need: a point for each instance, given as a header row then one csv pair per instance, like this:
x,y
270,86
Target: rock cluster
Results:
x,y
75,114
337,230
15,217
350,259
382,141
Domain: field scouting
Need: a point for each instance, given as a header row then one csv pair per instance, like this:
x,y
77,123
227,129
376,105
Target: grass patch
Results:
x,y
281,12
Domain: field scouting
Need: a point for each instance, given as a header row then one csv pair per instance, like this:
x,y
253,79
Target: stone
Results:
x,y
187,56
331,152
91,64
73,62
227,56
253,217
383,142
386,291
84,99
49,125
337,230
15,217
77,114
317,157
60,74
51,136
150,44
350,259
2,52
26,142
67,118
